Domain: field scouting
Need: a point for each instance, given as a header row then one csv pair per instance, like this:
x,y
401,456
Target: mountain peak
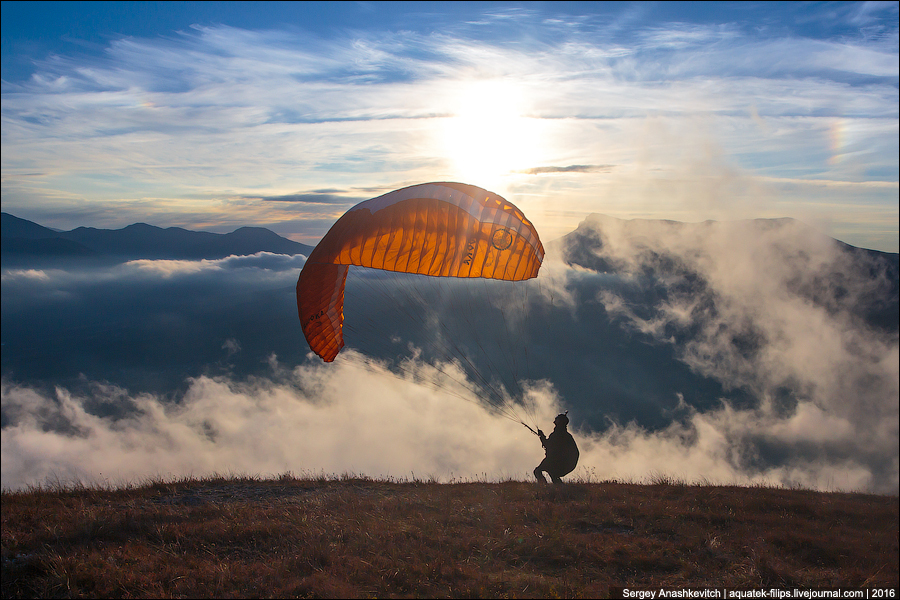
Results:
x,y
141,226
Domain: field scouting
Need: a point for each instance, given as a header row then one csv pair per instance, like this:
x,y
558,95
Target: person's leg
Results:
x,y
539,472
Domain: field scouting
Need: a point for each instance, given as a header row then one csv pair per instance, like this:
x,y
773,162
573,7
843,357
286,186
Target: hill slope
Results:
x,y
353,537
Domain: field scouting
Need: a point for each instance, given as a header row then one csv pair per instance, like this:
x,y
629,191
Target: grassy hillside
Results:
x,y
355,537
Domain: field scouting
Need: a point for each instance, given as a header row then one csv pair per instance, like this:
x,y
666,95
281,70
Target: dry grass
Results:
x,y
351,537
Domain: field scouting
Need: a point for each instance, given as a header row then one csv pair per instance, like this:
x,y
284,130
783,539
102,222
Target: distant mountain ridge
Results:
x,y
24,241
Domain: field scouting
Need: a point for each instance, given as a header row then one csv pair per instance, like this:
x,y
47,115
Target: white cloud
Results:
x,y
772,308
258,267
261,261
333,418
25,274
342,418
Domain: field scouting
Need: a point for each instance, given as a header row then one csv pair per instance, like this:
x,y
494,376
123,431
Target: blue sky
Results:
x,y
217,115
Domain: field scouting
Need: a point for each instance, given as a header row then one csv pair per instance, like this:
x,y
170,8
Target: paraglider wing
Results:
x,y
320,301
437,229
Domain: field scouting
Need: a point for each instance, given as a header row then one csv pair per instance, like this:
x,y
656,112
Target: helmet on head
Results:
x,y
562,418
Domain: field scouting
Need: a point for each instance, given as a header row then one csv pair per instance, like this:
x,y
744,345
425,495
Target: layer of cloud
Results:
x,y
257,267
343,418
338,418
261,262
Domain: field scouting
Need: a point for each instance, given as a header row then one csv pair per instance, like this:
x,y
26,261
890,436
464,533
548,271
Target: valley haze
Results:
x,y
754,351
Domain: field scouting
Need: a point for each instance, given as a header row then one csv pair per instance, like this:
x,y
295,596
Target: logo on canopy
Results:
x,y
501,239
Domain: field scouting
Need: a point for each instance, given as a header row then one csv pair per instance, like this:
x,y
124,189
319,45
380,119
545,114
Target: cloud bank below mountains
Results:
x,y
317,419
772,313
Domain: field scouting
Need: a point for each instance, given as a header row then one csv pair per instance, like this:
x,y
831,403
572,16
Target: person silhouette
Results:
x,y
561,451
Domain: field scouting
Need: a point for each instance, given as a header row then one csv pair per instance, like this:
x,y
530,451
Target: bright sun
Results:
x,y
488,137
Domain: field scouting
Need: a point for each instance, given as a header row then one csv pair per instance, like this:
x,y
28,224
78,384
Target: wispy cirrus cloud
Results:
x,y
568,169
214,115
310,198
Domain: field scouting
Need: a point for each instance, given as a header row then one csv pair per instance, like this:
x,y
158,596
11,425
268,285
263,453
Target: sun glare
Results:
x,y
489,137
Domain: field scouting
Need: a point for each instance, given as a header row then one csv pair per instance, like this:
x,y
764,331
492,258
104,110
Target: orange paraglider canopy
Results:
x,y
437,229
